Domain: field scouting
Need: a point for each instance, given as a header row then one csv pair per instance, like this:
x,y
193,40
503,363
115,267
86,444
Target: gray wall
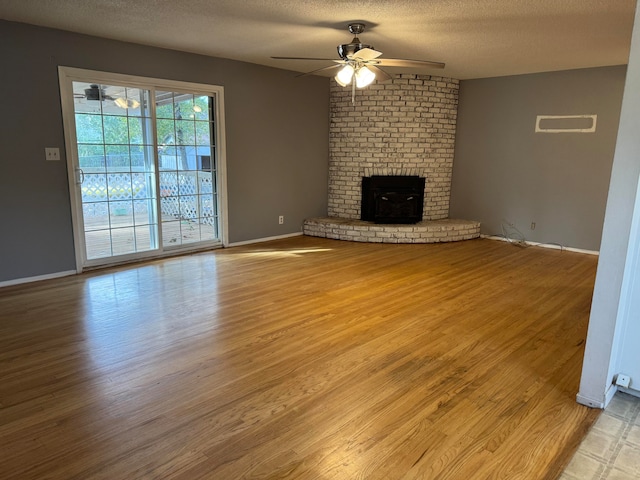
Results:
x,y
503,170
277,140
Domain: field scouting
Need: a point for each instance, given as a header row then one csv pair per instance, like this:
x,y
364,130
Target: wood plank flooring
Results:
x,y
303,358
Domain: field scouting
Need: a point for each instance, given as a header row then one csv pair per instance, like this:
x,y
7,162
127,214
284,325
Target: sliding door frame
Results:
x,y
67,75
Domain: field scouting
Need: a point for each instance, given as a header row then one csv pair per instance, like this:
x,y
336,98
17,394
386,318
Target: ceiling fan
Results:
x,y
360,64
94,92
97,93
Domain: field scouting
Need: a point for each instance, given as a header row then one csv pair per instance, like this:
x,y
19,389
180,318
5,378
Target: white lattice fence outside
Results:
x,y
186,195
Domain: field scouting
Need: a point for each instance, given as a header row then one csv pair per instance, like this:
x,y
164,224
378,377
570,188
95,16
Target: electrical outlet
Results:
x,y
533,225
280,219
52,153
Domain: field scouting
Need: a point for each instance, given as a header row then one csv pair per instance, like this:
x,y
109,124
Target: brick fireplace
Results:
x,y
405,127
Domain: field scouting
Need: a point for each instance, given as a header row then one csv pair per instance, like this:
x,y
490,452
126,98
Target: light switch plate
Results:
x,y
52,153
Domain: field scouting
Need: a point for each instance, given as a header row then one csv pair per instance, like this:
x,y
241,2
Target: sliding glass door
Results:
x,y
144,166
116,170
187,165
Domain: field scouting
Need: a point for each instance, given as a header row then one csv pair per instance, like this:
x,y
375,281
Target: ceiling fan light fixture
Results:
x,y
364,77
345,75
126,103
121,102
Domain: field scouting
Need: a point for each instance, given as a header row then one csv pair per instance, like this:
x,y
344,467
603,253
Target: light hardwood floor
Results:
x,y
304,358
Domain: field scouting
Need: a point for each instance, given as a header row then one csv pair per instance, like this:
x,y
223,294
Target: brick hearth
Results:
x,y
428,231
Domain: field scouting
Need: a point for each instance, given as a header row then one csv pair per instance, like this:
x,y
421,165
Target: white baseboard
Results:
x,y
630,391
545,245
597,403
19,281
265,239
589,402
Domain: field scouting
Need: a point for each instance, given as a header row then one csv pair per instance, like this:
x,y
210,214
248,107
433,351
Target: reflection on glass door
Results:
x,y
143,163
187,168
115,144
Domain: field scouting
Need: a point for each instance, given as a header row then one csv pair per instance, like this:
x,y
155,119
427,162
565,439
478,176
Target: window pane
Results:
x,y
136,101
117,158
203,133
123,240
141,158
112,99
206,206
96,216
116,130
94,188
143,212
207,228
144,236
168,184
171,233
89,128
185,132
140,184
201,108
184,107
121,214
188,207
119,186
91,157
170,208
164,104
187,183
166,132
98,244
135,131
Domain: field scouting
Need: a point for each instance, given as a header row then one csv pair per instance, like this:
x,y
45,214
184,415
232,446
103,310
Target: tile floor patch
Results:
x,y
616,474
634,435
628,459
608,424
585,467
566,476
620,406
599,444
611,449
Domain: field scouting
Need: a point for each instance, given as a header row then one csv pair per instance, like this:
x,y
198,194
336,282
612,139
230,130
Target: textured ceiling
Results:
x,y
476,38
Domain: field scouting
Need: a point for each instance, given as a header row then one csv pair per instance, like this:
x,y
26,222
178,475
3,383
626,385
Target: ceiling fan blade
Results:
x,y
397,62
313,72
366,54
303,58
381,75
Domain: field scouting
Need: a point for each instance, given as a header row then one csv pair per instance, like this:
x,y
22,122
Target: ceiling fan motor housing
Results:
x,y
94,93
347,49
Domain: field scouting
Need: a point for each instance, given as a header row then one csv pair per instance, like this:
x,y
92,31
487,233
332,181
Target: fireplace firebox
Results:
x,y
392,198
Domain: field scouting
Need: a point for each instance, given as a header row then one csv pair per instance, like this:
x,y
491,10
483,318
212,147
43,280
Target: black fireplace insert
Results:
x,y
392,198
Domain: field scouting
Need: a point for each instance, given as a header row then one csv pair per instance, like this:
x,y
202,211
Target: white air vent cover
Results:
x,y
566,123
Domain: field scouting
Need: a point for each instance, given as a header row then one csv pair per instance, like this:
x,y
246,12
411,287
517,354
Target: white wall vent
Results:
x,y
566,123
